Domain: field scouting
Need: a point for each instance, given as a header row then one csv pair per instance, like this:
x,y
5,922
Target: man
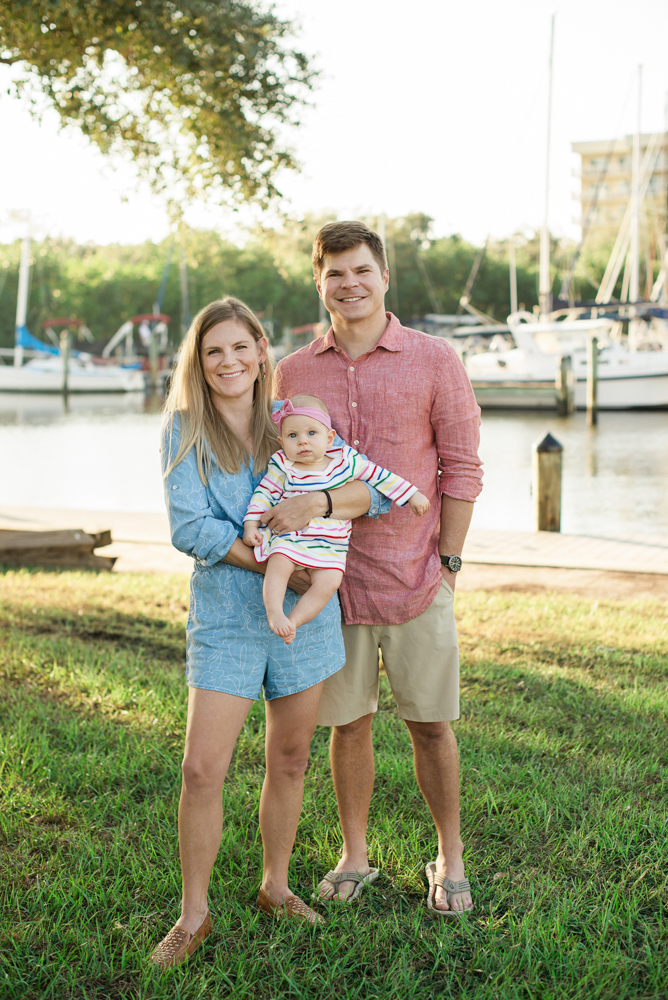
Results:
x,y
403,399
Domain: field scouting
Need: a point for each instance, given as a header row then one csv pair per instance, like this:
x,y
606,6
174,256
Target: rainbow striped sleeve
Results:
x,y
388,483
268,492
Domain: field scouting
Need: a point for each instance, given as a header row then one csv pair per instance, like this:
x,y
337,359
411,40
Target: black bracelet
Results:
x,y
329,503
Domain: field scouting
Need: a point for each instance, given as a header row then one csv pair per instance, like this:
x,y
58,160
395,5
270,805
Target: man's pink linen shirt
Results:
x,y
407,405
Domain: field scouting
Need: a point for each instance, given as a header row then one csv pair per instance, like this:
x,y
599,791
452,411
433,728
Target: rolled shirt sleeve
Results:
x,y
455,417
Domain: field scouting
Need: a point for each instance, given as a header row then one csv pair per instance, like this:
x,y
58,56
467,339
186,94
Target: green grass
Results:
x,y
564,751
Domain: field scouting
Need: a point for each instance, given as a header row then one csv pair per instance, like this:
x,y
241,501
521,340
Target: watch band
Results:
x,y
329,502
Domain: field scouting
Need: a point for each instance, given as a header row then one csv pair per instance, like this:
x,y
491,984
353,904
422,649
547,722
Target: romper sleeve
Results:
x,y
379,503
390,485
268,492
194,528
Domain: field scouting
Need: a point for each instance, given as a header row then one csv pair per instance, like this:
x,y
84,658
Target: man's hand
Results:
x,y
450,578
295,512
252,536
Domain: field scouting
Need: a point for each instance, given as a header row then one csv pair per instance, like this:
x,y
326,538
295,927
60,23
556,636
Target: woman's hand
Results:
x,y
300,581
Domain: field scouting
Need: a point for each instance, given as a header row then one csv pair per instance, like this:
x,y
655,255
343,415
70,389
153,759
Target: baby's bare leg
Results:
x,y
325,583
279,571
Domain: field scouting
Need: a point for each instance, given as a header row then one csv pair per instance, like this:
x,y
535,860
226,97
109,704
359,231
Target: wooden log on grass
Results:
x,y
68,549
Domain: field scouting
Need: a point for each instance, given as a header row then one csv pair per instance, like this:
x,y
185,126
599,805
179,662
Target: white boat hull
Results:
x,y
627,393
524,377
47,378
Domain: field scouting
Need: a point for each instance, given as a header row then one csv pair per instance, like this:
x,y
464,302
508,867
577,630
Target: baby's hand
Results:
x,y
252,536
419,504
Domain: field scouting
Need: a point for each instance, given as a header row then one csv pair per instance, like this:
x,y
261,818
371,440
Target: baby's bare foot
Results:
x,y
282,626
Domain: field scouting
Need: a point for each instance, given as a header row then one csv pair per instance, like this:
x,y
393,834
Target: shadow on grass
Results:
x,y
157,638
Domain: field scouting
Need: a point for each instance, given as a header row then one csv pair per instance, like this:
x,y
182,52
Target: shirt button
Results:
x,y
352,368
355,441
354,404
173,487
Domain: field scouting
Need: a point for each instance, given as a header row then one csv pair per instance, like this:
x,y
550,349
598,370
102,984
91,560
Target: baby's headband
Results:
x,y
288,410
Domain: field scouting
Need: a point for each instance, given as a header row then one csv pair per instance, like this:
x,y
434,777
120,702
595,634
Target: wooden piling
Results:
x,y
153,357
65,355
564,387
547,460
592,381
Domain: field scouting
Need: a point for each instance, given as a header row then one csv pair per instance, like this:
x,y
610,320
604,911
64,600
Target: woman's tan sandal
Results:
x,y
451,888
180,944
292,908
333,880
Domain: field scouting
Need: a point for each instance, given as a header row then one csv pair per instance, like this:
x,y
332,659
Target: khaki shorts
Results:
x,y
421,660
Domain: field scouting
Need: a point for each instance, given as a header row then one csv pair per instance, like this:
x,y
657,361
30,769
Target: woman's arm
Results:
x,y
242,557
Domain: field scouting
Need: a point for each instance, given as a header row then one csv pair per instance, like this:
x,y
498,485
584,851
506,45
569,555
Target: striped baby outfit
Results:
x,y
323,542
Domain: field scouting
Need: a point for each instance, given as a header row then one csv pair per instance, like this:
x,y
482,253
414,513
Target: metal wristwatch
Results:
x,y
453,563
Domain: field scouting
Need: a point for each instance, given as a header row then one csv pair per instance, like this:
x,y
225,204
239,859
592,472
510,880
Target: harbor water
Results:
x,y
101,453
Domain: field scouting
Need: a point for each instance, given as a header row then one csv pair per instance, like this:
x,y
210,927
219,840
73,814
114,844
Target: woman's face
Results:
x,y
231,358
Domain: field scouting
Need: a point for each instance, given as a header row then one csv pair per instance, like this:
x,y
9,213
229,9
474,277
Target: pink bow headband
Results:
x,y
288,410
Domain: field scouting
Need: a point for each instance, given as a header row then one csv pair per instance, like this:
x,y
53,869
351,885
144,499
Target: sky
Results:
x,y
433,106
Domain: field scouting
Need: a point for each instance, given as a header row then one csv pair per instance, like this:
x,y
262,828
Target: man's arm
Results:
x,y
348,502
455,520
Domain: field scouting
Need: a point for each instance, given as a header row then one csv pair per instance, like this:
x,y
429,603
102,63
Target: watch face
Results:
x,y
454,564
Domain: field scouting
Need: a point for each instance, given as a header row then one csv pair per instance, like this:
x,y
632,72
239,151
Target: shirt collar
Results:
x,y
392,339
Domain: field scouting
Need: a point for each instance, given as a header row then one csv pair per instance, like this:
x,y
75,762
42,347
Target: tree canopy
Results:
x,y
271,271
196,91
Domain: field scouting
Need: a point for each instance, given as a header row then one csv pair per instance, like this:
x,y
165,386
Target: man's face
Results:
x,y
351,284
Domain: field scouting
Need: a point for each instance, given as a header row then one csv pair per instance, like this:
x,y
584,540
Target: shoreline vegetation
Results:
x,y
270,270
564,798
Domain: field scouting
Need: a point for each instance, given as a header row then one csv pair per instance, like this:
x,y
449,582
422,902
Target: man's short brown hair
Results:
x,y
335,237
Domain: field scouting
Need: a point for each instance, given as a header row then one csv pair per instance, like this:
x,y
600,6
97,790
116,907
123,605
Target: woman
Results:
x,y
218,438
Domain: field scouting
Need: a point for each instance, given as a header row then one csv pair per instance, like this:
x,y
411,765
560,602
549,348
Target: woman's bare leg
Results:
x,y
290,727
325,583
214,723
279,571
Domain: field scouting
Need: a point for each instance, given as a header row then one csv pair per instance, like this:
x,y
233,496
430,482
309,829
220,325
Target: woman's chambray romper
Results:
x,y
230,646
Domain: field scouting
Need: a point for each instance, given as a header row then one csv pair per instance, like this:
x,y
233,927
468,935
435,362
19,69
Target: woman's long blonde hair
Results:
x,y
202,427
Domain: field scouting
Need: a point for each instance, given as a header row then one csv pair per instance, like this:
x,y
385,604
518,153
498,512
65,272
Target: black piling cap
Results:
x,y
548,444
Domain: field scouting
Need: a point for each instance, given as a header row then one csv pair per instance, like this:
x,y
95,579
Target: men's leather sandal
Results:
x,y
333,880
180,944
292,908
451,888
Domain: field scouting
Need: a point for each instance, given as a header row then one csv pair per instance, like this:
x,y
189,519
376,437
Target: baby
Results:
x,y
308,462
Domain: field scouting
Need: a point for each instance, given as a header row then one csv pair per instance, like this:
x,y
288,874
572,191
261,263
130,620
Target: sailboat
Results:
x,y
525,375
57,369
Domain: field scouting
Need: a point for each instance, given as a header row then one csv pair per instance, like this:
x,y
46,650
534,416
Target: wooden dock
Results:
x,y
492,559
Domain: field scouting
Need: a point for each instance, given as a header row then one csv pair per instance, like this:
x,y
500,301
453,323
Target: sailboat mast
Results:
x,y
634,252
22,299
513,275
545,283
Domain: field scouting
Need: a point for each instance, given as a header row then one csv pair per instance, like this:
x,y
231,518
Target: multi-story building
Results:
x,y
607,166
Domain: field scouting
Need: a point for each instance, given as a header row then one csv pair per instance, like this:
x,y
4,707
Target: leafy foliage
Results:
x,y
194,90
271,271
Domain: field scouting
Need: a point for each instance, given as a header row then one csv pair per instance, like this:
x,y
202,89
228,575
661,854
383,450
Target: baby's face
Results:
x,y
304,439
